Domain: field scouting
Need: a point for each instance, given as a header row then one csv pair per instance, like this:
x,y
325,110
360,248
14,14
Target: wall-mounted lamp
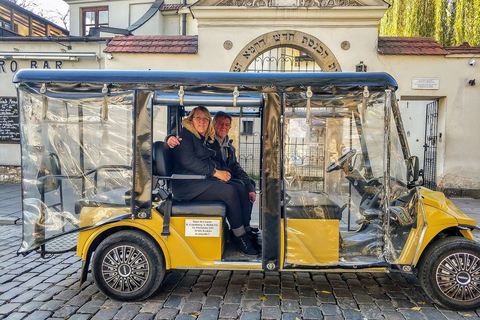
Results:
x,y
472,62
361,67
471,82
109,56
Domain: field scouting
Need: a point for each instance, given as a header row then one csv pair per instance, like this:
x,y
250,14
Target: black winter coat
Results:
x,y
231,164
192,156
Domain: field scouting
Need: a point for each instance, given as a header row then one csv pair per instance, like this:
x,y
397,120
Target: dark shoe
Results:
x,y
245,245
254,230
255,241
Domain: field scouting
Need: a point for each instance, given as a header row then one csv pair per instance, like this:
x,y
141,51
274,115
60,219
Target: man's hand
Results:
x,y
252,195
173,141
222,175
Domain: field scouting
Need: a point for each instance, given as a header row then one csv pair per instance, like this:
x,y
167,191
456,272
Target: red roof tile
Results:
x,y
153,44
409,46
463,48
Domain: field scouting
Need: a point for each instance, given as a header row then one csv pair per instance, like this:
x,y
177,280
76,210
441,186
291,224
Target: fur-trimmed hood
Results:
x,y
209,135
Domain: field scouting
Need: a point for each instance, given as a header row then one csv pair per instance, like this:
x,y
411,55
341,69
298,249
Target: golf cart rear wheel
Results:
x,y
128,266
450,273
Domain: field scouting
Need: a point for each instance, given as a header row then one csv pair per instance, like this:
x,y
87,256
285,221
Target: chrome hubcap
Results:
x,y
458,276
125,269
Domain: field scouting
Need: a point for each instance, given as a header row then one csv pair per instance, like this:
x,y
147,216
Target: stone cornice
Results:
x,y
325,4
248,16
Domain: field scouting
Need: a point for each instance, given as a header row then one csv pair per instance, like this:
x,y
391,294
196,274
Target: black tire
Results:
x,y
449,272
128,266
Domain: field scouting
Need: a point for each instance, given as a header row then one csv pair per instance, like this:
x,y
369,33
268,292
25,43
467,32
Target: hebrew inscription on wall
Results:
x,y
286,38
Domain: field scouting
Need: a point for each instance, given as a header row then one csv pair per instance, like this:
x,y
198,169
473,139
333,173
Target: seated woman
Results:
x,y
193,156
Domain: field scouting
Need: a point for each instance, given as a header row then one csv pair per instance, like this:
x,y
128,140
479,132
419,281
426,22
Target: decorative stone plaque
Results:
x,y
228,45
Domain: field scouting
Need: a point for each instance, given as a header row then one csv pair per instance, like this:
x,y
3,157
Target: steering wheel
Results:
x,y
344,159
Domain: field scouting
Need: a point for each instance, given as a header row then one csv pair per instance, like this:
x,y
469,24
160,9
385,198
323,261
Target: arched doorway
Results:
x,y
285,51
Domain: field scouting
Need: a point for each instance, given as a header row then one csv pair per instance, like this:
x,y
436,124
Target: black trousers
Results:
x,y
235,196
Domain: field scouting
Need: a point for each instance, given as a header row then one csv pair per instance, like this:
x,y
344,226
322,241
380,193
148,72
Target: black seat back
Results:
x,y
49,179
162,159
50,167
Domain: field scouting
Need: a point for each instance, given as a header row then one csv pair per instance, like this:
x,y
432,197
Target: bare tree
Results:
x,y
60,18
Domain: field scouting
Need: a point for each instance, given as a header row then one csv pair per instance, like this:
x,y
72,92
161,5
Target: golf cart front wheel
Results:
x,y
128,266
450,273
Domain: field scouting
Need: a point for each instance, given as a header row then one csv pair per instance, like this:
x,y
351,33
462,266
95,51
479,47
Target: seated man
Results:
x,y
226,159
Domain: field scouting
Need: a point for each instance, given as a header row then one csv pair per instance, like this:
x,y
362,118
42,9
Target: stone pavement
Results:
x,y
33,288
10,203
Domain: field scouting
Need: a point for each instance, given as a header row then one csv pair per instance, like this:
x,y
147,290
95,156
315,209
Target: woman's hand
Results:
x,y
173,141
222,175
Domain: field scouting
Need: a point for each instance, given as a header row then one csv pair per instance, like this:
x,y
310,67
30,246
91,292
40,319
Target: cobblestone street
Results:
x,y
35,289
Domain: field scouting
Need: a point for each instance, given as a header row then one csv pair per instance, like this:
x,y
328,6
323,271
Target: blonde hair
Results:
x,y
188,123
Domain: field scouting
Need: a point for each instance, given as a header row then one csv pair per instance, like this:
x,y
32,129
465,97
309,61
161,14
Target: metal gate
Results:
x,y
430,146
284,59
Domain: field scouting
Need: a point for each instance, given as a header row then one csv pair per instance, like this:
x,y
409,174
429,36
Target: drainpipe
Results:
x,y
184,20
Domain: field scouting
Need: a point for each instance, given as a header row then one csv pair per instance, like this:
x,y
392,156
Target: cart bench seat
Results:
x,y
121,198
196,209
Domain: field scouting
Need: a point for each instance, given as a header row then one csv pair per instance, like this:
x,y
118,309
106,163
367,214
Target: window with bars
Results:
x,y
284,59
94,17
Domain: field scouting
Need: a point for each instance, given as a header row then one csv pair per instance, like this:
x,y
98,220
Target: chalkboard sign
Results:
x,y
9,124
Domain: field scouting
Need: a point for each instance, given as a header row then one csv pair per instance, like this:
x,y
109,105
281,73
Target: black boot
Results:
x,y
257,245
254,230
245,245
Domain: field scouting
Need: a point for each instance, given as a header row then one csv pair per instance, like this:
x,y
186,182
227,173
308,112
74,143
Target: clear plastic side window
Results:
x,y
77,163
333,170
403,202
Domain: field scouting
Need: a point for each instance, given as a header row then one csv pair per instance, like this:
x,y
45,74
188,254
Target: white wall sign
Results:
x,y
202,228
425,83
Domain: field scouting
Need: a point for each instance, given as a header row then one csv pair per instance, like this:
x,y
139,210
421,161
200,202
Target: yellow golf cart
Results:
x,y
338,189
